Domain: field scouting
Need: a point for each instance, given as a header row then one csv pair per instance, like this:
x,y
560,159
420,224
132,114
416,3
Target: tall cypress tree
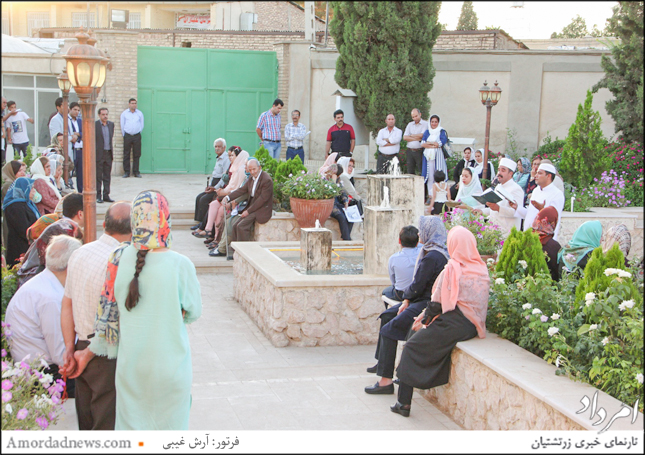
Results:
x,y
468,17
386,57
623,75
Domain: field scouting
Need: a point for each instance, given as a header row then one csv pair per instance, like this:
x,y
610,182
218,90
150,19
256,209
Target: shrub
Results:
x,y
488,236
310,185
9,286
581,202
551,150
521,255
279,171
583,154
626,157
608,191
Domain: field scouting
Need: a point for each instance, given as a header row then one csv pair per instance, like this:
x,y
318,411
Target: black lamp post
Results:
x,y
489,96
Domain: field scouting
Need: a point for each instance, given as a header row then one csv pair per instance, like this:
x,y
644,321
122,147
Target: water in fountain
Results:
x,y
386,197
393,167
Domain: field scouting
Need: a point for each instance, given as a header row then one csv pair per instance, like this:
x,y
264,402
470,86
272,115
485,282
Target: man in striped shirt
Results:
x,y
268,128
295,134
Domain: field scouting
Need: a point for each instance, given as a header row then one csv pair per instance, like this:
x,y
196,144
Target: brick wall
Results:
x,y
477,39
282,16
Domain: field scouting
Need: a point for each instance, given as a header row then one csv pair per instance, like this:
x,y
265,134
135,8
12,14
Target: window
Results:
x,y
37,20
80,20
135,20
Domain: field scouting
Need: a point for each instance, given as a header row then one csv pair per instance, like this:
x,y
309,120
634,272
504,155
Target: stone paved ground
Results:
x,y
242,382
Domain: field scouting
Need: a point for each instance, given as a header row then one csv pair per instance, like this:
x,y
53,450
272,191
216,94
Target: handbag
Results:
x,y
447,149
430,154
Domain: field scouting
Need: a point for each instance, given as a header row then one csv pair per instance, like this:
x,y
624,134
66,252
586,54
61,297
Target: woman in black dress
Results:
x,y
544,224
456,313
20,213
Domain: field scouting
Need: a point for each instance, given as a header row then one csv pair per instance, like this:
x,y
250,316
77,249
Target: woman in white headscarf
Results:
x,y
479,165
56,163
433,160
347,177
468,187
41,173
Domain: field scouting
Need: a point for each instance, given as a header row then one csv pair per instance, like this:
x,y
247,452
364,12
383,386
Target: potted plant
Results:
x,y
311,197
489,236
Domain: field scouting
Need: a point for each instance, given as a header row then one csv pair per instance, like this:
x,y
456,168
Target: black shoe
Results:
x,y
372,369
126,175
396,381
99,200
229,258
107,199
380,390
137,176
399,409
192,228
215,253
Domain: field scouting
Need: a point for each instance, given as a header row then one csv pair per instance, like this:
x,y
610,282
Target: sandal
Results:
x,y
200,234
209,239
211,245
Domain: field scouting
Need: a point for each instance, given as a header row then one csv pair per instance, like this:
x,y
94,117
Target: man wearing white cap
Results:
x,y
502,213
545,195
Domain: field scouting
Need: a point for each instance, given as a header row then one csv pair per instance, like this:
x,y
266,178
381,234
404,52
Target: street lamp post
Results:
x,y
86,68
65,86
489,96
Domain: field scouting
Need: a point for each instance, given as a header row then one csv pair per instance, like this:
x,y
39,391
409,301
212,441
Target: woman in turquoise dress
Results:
x,y
150,294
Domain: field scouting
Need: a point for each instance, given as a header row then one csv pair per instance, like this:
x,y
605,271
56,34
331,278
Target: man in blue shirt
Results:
x,y
131,127
401,265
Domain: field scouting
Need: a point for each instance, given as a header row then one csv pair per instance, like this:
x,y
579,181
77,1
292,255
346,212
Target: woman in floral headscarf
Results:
x,y
578,250
618,234
457,313
544,224
397,320
150,294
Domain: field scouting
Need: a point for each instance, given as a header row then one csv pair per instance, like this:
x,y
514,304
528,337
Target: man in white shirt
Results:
x,y
502,213
413,135
16,127
34,311
545,195
131,127
295,134
75,128
95,392
389,144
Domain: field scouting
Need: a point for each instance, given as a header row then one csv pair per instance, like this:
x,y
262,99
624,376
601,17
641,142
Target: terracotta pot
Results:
x,y
307,211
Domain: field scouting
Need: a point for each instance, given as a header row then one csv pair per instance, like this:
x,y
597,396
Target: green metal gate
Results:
x,y
190,97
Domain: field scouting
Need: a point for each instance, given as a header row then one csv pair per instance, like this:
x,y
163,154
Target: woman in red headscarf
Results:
x,y
456,313
544,224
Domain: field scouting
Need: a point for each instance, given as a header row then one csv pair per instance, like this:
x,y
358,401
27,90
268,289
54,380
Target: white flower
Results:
x,y
499,281
555,316
43,363
590,296
523,264
588,302
46,379
557,361
9,409
537,311
526,306
624,274
639,378
593,327
626,304
552,331
605,341
490,260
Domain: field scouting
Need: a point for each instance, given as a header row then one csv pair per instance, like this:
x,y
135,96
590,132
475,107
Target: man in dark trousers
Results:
x,y
104,131
131,127
260,207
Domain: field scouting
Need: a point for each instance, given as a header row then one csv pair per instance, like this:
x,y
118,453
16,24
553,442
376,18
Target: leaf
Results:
x,y
583,329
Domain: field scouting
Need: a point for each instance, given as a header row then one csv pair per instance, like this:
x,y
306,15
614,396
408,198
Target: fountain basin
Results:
x,y
293,309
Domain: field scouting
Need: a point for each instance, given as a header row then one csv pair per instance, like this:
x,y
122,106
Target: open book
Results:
x,y
494,196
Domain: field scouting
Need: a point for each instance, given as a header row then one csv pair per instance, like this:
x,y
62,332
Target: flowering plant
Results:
x,y
489,236
626,157
31,400
310,185
609,190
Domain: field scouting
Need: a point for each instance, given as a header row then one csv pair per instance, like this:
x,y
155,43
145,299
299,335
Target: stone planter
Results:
x,y
307,211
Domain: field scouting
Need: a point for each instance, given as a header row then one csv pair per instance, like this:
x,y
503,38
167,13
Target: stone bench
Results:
x,y
496,385
283,227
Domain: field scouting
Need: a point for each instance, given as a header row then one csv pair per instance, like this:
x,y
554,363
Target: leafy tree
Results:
x,y
468,17
493,27
624,71
521,246
386,57
576,29
583,154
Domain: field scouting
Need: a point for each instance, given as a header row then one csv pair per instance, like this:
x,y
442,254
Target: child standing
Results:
x,y
439,192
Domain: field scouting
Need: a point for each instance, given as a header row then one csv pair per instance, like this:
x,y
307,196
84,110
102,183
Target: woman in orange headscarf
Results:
x,y
456,313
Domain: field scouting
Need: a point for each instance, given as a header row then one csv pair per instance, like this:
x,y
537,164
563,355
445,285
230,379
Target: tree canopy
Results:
x,y
468,17
386,57
578,29
624,73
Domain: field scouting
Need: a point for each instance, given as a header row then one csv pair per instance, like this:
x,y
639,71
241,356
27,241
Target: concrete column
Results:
x,y
299,84
310,21
315,249
381,237
406,192
147,17
53,16
213,25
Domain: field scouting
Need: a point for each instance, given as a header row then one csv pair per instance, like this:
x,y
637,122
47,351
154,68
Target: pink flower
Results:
x,y
22,414
6,396
7,384
4,353
42,422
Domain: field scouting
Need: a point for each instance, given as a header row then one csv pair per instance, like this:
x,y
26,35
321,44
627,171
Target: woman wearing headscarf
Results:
x,y
456,313
56,163
20,213
523,172
41,173
468,187
618,234
397,320
544,224
466,161
238,159
10,172
331,159
346,180
433,160
149,295
334,171
584,241
479,166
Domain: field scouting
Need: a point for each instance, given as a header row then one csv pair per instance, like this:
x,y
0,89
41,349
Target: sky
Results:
x,y
535,20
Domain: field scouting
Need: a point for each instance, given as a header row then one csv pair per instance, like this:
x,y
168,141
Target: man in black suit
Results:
x,y
104,155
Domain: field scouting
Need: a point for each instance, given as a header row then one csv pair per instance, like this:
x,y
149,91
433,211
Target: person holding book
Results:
x,y
468,187
500,212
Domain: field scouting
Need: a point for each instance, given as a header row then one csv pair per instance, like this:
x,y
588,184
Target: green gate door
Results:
x,y
190,97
